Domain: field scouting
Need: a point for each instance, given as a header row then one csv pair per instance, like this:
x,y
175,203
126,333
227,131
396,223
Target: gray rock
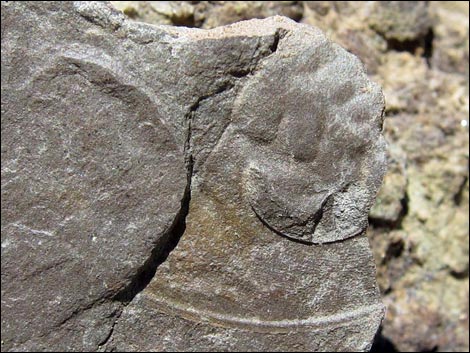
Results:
x,y
268,133
400,21
391,202
92,173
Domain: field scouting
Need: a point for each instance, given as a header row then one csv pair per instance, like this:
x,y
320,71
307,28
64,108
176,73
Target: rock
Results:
x,y
391,202
179,13
346,22
415,313
268,134
427,123
219,13
207,14
399,91
400,21
451,33
246,286
421,61
93,172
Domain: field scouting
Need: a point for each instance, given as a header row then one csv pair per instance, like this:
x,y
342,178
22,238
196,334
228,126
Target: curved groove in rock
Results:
x,y
258,325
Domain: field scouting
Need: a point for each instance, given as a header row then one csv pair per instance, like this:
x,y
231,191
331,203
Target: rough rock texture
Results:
x,y
207,14
265,134
93,171
271,177
418,51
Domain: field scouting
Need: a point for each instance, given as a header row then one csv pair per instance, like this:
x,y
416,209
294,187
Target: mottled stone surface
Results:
x,y
266,131
207,14
418,53
400,21
93,171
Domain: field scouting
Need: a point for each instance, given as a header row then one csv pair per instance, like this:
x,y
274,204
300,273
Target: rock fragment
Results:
x,y
111,130
400,21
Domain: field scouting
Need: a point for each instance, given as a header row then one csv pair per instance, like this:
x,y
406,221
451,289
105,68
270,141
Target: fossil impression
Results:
x,y
254,150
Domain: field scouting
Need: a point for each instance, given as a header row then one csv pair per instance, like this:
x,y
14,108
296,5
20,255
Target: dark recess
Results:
x,y
383,223
382,344
424,43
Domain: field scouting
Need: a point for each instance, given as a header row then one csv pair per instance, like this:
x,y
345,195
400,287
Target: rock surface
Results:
x,y
418,52
93,172
265,134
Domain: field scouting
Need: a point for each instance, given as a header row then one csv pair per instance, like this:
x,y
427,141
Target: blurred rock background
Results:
x,y
419,227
